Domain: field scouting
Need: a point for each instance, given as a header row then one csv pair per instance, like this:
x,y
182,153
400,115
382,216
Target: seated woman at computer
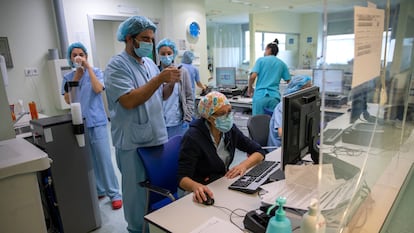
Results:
x,y
208,148
268,70
275,126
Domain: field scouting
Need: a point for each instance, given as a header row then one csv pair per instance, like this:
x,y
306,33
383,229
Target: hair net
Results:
x,y
188,57
297,83
169,43
71,47
133,26
211,102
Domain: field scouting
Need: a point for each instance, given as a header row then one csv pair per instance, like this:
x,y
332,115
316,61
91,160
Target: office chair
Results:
x,y
160,164
258,127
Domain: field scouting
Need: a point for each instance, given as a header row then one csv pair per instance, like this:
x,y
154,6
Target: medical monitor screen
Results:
x,y
226,77
301,125
334,81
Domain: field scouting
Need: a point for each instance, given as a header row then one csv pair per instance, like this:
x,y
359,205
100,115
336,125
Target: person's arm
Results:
x,y
141,94
252,79
188,91
201,85
242,167
97,86
198,189
245,144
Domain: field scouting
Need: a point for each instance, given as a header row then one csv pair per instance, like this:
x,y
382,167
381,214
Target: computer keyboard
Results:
x,y
251,181
331,136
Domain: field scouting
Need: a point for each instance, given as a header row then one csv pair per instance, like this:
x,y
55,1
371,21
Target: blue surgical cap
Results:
x,y
169,43
134,26
188,57
296,83
71,47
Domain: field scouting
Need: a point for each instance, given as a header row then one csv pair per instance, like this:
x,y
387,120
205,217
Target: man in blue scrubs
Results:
x,y
134,92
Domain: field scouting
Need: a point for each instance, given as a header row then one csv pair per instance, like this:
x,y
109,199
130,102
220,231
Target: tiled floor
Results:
x,y
113,220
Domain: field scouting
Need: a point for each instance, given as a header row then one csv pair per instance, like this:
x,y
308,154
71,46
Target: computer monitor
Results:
x,y
301,126
334,81
359,98
226,77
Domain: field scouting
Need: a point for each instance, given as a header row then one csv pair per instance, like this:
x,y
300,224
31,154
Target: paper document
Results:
x,y
215,225
301,185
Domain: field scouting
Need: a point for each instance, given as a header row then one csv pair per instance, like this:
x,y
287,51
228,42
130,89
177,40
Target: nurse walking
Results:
x,y
269,71
134,92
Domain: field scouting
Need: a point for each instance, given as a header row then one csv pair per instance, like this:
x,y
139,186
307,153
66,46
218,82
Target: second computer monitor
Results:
x,y
226,77
334,81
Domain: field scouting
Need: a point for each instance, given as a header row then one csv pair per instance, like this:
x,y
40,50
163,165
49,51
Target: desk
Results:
x,y
385,171
184,215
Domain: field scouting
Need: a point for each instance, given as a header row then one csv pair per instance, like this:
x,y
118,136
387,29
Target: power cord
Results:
x,y
233,212
340,150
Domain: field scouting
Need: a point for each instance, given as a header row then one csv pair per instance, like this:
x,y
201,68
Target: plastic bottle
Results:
x,y
279,223
313,221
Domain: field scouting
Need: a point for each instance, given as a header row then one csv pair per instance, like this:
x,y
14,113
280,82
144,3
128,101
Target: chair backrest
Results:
x,y
258,126
161,165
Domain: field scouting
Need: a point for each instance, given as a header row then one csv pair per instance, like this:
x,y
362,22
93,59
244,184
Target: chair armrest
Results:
x,y
162,191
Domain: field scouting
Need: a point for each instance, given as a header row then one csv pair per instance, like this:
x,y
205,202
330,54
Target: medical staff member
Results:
x,y
275,125
90,89
187,62
134,92
269,70
179,106
208,148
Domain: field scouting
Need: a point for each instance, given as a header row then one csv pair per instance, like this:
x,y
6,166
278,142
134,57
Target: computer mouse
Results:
x,y
209,201
235,98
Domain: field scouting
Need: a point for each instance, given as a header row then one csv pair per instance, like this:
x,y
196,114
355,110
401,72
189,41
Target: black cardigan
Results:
x,y
198,156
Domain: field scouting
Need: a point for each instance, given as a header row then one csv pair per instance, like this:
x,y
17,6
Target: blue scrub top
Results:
x,y
92,106
194,74
275,123
144,125
173,113
270,70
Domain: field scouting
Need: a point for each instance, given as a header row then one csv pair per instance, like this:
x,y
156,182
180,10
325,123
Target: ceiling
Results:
x,y
237,11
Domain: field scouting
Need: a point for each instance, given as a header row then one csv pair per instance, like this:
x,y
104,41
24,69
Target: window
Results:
x,y
262,39
340,48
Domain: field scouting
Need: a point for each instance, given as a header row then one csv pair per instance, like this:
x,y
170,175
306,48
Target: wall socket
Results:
x,y
31,72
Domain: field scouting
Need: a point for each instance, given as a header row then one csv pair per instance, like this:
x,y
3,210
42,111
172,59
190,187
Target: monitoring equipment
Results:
x,y
226,77
332,86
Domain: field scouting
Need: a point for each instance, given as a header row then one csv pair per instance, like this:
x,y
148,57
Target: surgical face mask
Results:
x,y
144,49
224,123
77,62
167,60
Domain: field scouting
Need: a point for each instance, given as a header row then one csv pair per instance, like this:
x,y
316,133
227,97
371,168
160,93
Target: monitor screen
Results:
x,y
359,101
226,77
334,81
301,125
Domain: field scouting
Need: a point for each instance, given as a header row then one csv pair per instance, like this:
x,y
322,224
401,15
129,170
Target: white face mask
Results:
x,y
77,62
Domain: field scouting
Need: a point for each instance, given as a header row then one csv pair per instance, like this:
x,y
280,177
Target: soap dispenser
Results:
x,y
313,221
279,223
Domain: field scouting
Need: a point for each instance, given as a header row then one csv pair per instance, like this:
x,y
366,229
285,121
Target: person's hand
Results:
x,y
199,193
250,92
170,75
236,171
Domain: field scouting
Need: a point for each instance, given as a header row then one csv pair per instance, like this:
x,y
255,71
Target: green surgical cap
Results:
x,y
134,26
169,43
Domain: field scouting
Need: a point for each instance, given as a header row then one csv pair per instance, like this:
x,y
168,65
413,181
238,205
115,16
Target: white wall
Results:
x,y
30,28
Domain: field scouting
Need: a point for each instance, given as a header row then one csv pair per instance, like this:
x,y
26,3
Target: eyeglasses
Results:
x,y
229,113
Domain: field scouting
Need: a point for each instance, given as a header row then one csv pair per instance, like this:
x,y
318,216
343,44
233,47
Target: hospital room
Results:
x,y
135,116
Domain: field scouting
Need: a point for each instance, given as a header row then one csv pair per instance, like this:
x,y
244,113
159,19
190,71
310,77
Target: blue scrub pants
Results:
x,y
134,196
106,180
259,104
